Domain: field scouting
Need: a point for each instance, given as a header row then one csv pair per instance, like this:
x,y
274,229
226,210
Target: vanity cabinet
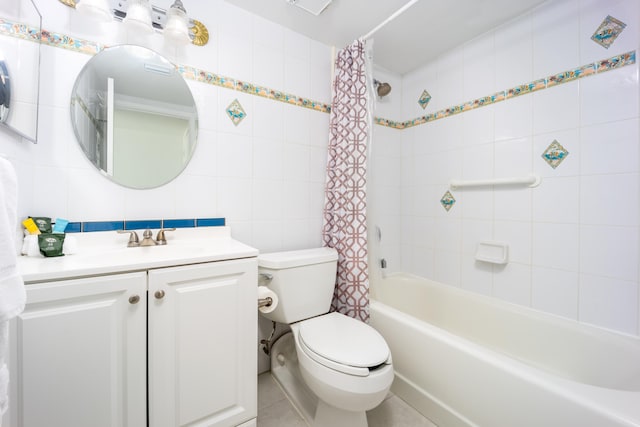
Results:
x,y
78,354
174,346
202,340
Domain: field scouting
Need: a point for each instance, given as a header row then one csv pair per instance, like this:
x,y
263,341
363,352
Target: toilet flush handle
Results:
x,y
266,276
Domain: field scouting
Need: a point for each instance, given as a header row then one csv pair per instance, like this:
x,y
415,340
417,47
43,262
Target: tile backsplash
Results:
x,y
139,224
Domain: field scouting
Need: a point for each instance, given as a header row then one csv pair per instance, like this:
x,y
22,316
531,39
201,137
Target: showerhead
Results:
x,y
383,89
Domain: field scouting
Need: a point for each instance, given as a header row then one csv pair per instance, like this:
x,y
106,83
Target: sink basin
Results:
x,y
107,252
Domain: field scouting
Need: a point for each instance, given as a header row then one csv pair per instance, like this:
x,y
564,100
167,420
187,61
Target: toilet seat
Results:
x,y
342,343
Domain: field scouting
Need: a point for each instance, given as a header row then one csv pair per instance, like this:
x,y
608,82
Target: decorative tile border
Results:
x,y
204,76
26,32
90,226
594,68
21,31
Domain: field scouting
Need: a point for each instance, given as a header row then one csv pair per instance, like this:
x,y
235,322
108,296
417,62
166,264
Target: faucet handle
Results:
x,y
134,241
147,238
160,238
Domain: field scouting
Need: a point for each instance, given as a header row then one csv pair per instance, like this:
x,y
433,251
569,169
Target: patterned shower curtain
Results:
x,y
345,210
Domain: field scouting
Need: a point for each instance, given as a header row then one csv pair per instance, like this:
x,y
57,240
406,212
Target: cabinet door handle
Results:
x,y
133,299
159,294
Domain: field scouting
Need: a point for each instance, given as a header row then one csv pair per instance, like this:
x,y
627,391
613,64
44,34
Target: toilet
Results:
x,y
331,366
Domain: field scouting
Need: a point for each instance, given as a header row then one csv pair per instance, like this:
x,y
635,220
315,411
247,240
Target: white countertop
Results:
x,y
106,252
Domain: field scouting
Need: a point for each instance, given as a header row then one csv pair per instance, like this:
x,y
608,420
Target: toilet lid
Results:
x,y
344,340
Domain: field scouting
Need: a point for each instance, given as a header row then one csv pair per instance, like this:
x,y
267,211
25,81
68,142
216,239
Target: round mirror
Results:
x,y
134,116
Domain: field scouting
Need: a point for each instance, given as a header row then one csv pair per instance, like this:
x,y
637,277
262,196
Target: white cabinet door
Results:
x,y
77,354
202,344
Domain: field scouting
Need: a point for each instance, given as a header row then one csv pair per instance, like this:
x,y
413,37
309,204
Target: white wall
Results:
x,y
574,241
265,176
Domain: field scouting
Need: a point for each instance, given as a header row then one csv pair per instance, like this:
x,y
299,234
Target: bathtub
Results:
x,y
463,359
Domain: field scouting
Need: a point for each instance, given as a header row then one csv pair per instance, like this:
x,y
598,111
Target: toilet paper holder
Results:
x,y
265,302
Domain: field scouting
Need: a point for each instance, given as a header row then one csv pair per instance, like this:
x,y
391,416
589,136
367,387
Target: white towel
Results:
x,y
4,372
4,391
12,293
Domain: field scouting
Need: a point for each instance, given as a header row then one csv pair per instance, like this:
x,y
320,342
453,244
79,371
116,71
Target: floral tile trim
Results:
x,y
567,76
608,31
447,201
18,30
555,154
249,88
26,32
592,69
526,88
235,112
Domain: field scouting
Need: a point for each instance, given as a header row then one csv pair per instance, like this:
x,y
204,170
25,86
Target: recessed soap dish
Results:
x,y
493,252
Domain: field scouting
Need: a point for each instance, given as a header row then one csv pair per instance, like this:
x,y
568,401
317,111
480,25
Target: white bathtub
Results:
x,y
468,360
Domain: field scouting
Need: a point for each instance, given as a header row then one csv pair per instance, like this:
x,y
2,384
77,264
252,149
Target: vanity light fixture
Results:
x,y
138,18
174,23
97,10
177,28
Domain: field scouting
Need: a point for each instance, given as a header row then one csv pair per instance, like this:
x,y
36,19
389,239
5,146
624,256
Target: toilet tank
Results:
x,y
303,280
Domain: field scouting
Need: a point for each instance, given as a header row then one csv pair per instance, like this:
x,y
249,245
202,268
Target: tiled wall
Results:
x,y
265,175
574,240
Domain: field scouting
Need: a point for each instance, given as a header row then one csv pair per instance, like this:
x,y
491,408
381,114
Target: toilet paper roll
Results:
x,y
264,292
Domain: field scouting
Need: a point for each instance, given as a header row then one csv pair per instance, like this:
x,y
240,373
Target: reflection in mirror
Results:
x,y
20,71
5,92
134,116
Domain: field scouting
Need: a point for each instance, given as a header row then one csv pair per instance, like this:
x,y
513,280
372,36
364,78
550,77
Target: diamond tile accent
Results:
x,y
447,201
424,99
555,154
235,112
608,31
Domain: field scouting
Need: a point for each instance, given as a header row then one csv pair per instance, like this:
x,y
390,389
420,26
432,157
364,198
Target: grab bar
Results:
x,y
532,180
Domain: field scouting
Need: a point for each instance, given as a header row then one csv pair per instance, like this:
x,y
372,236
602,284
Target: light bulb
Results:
x,y
97,10
177,27
139,16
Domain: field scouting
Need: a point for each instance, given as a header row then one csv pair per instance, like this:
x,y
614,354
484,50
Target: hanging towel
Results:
x,y
12,293
4,372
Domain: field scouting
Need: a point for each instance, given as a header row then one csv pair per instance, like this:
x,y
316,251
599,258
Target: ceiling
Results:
x,y
420,34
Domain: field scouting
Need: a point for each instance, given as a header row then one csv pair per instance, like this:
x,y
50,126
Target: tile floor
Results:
x,y
275,410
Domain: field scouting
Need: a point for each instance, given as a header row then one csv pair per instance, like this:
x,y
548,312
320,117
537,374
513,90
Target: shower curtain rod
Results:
x,y
389,19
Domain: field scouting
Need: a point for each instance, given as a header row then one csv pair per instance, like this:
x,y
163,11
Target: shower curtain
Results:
x,y
345,210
